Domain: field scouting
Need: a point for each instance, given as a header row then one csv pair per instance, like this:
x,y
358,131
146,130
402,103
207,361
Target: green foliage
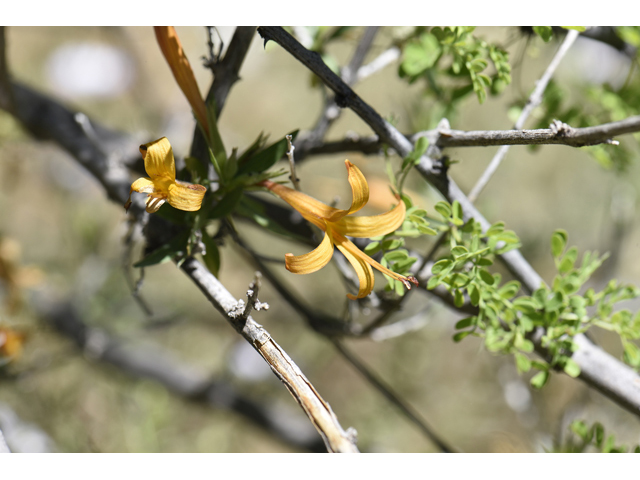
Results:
x,y
454,63
507,318
584,438
394,256
545,33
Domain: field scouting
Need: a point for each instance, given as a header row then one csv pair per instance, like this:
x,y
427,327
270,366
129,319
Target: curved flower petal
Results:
x,y
308,206
359,190
343,244
363,270
186,196
372,226
158,159
179,63
143,185
312,261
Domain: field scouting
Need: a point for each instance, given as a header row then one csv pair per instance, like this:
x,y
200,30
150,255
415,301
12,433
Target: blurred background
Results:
x,y
61,240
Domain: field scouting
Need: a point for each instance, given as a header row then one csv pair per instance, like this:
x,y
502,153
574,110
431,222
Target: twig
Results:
x,y
401,327
534,100
331,111
599,369
147,360
241,312
226,70
385,58
319,412
292,164
393,397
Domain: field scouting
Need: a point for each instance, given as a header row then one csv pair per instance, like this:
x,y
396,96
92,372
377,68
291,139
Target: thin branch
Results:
x,y
319,412
331,111
608,375
227,70
385,58
292,163
534,100
147,360
393,397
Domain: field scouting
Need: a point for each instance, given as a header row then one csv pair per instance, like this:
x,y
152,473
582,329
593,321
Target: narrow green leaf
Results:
x,y
523,364
226,204
543,32
443,209
465,323
460,335
265,159
486,276
212,255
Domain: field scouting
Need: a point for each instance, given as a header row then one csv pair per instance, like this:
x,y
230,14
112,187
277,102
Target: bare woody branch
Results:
x,y
601,371
318,411
147,360
559,134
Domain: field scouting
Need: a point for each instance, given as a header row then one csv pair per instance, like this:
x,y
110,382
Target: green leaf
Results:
x,y
474,294
544,32
420,55
523,364
509,290
579,29
266,158
632,354
571,368
458,299
433,282
568,261
459,251
540,379
440,265
460,335
558,242
465,323
226,204
485,276
495,229
443,209
456,211
372,248
212,255
421,147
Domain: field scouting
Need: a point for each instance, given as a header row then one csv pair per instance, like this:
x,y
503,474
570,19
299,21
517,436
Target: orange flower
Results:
x,y
162,185
337,225
179,63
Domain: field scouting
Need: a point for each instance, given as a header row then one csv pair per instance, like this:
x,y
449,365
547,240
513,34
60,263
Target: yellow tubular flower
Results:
x,y
179,63
337,225
162,185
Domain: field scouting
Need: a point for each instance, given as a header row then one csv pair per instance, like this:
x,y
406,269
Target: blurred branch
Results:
x,y
6,90
318,411
388,392
4,448
226,70
146,360
598,369
377,64
23,436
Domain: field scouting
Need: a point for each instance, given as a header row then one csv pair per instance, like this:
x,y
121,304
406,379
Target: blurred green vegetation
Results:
x,y
67,229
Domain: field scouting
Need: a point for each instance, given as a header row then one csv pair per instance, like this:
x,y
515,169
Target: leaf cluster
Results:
x,y
454,63
592,438
507,319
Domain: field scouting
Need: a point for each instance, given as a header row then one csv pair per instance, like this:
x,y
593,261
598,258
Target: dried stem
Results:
x,y
292,163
